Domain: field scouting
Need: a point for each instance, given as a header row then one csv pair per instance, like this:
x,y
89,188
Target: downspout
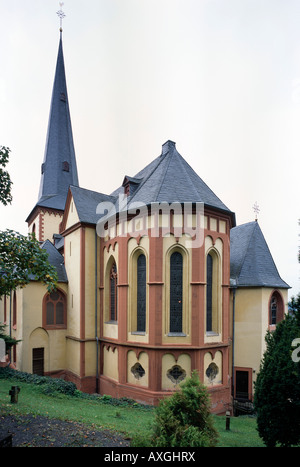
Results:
x,y
96,308
233,337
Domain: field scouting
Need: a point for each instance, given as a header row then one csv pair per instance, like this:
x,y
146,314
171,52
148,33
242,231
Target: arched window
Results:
x,y
113,305
141,293
176,269
273,309
5,309
276,310
213,293
55,310
14,309
209,292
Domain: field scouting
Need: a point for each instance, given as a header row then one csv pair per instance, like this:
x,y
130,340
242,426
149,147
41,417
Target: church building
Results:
x,y
155,280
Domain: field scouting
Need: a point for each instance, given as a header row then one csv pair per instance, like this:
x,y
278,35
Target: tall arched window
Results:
x,y
113,306
5,309
141,293
273,310
213,293
55,310
276,312
176,291
14,309
209,293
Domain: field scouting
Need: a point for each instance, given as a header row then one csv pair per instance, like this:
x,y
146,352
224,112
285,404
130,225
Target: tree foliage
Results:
x,y
277,388
22,260
5,181
184,419
9,341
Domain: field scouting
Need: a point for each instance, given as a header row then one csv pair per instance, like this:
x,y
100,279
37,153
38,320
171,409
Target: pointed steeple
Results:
x,y
59,169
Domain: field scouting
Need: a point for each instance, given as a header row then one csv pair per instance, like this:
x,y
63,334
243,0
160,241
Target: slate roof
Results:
x,y
251,262
86,202
56,260
169,178
59,169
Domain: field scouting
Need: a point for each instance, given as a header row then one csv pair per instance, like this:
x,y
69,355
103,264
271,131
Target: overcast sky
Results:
x,y
221,78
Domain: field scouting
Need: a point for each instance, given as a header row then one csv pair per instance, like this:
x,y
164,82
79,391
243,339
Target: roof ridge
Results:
x,y
170,155
144,180
91,191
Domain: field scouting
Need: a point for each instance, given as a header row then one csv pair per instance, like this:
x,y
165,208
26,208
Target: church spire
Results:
x,y
59,169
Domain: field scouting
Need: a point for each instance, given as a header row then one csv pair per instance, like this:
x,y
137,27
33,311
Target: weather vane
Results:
x,y
61,14
256,210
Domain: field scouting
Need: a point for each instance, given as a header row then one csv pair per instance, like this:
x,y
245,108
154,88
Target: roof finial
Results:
x,y
256,210
61,14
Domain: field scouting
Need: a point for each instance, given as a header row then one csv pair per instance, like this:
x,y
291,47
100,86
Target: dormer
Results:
x,y
130,185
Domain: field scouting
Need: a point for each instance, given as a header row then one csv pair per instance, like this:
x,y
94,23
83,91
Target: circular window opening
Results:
x,y
176,374
212,371
138,371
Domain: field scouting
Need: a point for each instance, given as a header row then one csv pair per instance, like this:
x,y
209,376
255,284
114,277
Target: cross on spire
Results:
x,y
61,14
256,210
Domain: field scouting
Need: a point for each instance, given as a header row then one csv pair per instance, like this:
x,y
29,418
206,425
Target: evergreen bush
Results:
x,y
277,388
183,419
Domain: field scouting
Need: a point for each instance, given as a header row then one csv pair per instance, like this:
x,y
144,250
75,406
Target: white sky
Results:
x,y
221,78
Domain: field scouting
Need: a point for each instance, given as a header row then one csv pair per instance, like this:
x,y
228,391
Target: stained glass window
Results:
x,y
176,264
209,280
113,293
141,293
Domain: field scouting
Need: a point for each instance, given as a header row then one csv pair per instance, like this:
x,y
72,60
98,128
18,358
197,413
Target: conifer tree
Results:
x,y
277,388
184,419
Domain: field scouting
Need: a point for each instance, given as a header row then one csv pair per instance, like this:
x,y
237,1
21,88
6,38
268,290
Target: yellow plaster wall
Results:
x,y
90,332
168,361
72,264
51,224
2,310
251,325
29,330
249,334
132,360
90,282
218,361
36,222
72,215
110,363
73,356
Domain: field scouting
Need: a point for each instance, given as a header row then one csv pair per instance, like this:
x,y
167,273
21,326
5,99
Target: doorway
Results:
x,y
38,361
243,385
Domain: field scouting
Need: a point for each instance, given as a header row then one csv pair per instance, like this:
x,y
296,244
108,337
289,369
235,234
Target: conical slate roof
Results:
x,y
59,169
251,262
169,178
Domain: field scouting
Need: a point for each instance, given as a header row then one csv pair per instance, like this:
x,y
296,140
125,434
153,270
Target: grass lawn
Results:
x,y
126,420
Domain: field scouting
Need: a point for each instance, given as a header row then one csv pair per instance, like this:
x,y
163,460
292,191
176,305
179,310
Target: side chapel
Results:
x,y
135,313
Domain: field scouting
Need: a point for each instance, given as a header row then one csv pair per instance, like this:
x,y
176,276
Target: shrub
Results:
x,y
48,385
184,419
